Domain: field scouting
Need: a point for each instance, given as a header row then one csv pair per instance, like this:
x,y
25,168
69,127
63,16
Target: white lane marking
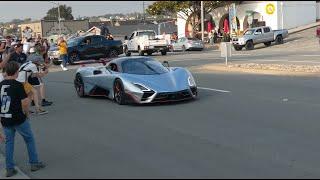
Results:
x,y
312,55
241,54
217,90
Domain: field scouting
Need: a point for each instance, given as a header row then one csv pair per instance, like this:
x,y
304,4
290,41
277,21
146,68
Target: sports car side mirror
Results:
x,y
95,72
165,64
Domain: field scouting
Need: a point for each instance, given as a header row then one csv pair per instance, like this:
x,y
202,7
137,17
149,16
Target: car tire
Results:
x,y
126,51
57,63
141,53
267,44
163,53
279,39
238,48
249,45
79,86
113,53
73,57
118,92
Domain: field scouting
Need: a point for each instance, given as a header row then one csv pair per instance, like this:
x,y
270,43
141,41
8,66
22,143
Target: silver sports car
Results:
x,y
136,80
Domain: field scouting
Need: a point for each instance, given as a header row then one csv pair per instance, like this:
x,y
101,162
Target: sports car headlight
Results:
x,y
141,87
191,81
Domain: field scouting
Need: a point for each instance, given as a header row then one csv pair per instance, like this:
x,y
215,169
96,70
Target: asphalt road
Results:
x,y
241,126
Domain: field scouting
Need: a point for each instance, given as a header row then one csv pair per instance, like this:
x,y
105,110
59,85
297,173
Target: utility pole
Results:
x,y
144,17
59,18
202,22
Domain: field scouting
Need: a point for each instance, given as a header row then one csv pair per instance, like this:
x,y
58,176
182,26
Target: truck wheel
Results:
x,y
163,53
141,53
267,44
238,48
113,53
279,40
249,45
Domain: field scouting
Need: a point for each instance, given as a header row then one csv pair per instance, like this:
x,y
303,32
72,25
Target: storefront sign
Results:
x,y
270,8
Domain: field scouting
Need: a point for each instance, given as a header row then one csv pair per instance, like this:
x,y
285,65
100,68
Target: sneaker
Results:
x,y
42,112
46,103
62,66
11,172
38,166
64,69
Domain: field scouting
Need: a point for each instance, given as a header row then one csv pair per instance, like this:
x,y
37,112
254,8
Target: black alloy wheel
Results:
x,y
79,85
119,94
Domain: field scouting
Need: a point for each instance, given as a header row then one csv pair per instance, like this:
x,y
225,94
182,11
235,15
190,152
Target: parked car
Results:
x,y
93,47
253,36
54,55
185,44
145,41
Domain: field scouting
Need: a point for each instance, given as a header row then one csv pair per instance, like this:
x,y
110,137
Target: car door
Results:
x,y
98,47
86,49
131,43
258,36
268,34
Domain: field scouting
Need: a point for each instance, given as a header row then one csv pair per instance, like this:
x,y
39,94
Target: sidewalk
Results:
x,y
20,174
301,28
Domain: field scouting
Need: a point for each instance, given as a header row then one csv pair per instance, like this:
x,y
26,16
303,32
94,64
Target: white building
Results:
x,y
277,14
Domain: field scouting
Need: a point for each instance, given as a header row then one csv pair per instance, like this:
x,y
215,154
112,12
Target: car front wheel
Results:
x,y
119,94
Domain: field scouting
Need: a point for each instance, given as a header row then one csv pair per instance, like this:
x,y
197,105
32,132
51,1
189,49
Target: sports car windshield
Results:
x,y
143,67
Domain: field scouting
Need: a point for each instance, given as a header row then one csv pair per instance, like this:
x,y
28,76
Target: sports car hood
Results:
x,y
174,80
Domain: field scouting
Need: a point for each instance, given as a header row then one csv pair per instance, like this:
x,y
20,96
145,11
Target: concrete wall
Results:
x,y
297,13
318,10
67,27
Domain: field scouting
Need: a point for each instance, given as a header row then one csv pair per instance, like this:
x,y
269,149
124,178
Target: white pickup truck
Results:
x,y
259,35
145,41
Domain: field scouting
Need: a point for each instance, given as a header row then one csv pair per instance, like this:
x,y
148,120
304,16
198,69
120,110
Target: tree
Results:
x,y
65,12
186,9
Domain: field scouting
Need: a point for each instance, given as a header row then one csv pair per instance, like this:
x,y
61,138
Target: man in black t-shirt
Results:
x,y
14,113
18,56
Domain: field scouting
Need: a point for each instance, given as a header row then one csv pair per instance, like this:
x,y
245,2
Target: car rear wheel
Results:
x,y
79,85
163,53
279,40
73,57
119,94
113,53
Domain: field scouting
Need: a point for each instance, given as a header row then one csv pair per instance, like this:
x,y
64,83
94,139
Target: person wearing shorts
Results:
x,y
29,75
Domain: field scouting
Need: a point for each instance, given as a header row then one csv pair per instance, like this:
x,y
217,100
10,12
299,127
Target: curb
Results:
x,y
20,174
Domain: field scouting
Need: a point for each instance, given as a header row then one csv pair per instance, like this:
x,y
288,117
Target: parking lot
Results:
x,y
241,126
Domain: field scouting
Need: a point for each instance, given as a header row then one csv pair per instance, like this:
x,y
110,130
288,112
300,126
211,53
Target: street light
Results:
x,y
59,18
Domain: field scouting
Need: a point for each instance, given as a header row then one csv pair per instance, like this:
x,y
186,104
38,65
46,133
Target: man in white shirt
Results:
x,y
29,70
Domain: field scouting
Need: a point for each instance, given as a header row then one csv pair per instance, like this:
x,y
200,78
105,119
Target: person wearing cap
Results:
x,y
18,56
29,75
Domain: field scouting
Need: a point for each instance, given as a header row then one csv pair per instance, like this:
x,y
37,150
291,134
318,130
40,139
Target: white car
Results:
x,y
185,44
145,41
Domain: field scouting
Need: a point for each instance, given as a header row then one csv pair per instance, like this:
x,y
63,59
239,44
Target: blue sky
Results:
x,y
37,9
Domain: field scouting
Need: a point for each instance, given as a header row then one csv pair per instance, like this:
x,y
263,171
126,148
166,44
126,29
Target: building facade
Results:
x,y
48,28
276,14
